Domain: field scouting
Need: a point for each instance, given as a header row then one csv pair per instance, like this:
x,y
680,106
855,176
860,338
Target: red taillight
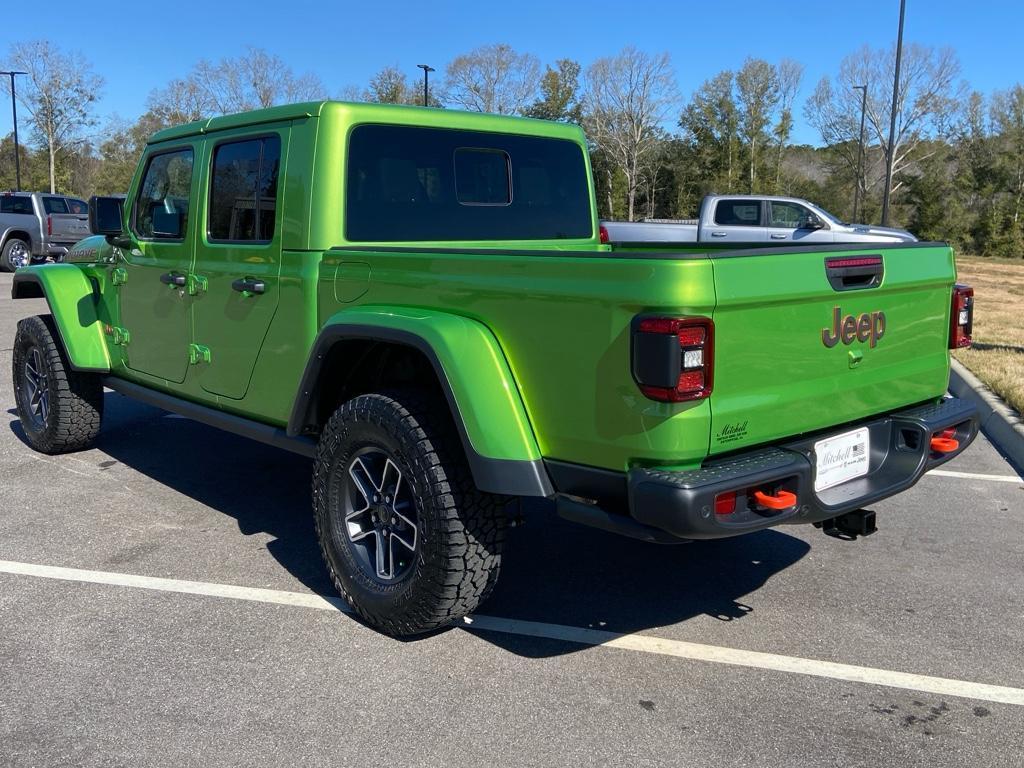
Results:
x,y
49,225
603,232
961,317
725,503
673,357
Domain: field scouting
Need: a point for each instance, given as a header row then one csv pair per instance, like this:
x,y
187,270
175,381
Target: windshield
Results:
x,y
825,214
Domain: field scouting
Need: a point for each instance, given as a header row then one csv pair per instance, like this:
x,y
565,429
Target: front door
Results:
x,y
788,223
154,298
238,258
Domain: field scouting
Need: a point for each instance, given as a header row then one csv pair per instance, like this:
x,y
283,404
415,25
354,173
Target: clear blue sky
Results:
x,y
144,45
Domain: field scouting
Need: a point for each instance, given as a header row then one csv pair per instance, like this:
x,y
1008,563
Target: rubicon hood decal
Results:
x,y
869,327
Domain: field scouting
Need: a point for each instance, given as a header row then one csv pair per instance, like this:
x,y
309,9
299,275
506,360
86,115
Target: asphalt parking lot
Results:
x,y
158,607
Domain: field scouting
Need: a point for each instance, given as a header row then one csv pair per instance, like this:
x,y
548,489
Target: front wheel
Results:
x,y
408,540
60,409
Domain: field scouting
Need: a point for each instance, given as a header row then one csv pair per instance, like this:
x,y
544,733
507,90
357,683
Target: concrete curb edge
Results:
x,y
999,421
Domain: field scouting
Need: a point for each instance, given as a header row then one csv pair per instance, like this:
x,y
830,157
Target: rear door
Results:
x,y
785,224
238,255
736,220
799,349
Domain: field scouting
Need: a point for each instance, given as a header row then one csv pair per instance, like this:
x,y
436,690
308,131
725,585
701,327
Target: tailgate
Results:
x,y
783,367
68,227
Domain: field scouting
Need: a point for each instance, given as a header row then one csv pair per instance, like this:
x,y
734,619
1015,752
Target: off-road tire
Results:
x,y
460,529
75,399
8,250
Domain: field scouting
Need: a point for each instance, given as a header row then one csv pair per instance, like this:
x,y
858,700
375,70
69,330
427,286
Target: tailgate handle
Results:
x,y
851,273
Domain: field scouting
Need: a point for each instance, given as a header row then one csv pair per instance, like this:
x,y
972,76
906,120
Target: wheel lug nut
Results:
x,y
394,520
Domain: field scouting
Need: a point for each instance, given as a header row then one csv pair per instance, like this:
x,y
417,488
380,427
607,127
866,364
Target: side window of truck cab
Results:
x,y
161,206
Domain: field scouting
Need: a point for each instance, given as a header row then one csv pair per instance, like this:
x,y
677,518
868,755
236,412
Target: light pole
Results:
x,y
14,111
427,69
892,117
860,147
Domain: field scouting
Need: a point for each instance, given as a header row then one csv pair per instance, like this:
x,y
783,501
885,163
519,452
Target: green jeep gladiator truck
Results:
x,y
419,299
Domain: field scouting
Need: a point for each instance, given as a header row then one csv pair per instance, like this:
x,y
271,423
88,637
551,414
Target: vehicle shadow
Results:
x,y
558,572
554,571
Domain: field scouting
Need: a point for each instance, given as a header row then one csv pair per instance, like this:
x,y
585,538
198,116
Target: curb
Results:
x,y
1000,422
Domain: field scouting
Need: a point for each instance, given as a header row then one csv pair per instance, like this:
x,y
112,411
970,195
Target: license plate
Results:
x,y
841,458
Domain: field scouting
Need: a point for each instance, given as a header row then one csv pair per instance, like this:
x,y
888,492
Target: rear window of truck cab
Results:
x,y
429,184
16,204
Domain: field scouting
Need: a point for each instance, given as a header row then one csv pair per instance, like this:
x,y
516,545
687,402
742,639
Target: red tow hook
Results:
x,y
780,500
945,442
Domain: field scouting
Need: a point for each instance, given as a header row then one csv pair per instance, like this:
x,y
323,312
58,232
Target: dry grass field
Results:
x,y
997,357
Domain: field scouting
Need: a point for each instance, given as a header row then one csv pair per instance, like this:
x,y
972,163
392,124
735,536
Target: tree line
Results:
x,y
958,154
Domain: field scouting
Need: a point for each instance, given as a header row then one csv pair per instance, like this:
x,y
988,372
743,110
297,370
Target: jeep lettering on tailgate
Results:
x,y
867,327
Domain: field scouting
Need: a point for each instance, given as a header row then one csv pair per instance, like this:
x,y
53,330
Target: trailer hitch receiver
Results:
x,y
860,522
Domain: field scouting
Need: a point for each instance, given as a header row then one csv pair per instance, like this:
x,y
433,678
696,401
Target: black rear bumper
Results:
x,y
682,504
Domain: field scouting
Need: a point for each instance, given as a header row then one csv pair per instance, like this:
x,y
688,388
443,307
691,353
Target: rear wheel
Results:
x,y
60,409
15,253
409,541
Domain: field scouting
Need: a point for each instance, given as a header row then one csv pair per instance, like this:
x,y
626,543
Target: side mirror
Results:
x,y
811,221
106,216
166,223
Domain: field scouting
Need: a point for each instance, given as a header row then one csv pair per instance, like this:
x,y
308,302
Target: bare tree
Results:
x,y
59,98
927,97
627,98
790,73
182,101
254,80
1007,112
757,91
492,78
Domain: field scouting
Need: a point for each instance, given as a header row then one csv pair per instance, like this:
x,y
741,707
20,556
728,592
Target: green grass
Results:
x,y
998,355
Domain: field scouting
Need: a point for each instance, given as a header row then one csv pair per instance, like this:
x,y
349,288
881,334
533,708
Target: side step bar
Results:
x,y
264,433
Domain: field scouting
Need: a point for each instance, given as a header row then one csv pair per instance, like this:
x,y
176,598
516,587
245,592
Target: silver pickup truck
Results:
x,y
753,219
37,225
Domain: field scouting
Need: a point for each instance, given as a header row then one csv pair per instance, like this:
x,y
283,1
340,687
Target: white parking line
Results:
x,y
630,642
977,476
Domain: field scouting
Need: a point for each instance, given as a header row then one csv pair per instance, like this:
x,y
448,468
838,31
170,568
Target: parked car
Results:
x,y
754,219
37,225
418,300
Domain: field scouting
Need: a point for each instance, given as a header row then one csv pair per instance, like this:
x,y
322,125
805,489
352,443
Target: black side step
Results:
x,y
254,430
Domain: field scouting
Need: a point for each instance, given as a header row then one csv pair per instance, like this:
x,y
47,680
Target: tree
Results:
x,y
711,126
59,97
492,78
182,101
255,80
757,91
789,73
627,98
927,96
559,94
390,86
